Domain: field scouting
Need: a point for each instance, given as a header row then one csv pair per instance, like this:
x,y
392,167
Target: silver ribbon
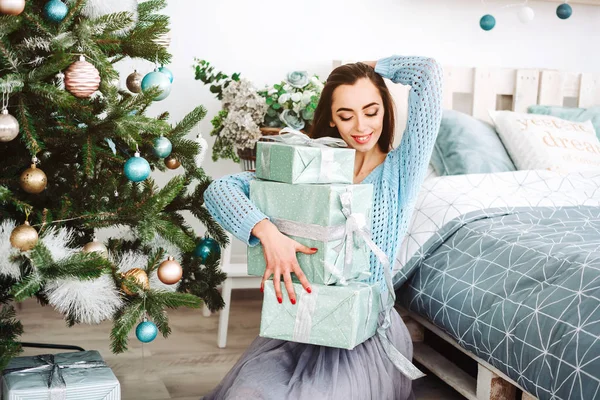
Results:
x,y
400,362
55,382
307,304
355,223
295,137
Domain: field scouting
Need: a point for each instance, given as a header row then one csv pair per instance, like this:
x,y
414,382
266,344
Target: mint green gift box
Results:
x,y
313,215
334,316
84,373
298,163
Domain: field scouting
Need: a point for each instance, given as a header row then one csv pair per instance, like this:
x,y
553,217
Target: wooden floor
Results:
x,y
187,364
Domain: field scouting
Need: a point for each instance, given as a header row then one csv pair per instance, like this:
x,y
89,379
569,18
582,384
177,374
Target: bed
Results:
x,y
505,266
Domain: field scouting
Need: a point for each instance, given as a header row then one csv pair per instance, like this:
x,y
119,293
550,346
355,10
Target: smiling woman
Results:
x,y
355,105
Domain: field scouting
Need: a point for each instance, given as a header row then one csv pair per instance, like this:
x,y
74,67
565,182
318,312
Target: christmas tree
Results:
x,y
77,154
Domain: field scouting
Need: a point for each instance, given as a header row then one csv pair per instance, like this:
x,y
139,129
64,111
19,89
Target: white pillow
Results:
x,y
547,142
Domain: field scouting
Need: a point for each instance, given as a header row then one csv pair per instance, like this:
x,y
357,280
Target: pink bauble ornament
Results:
x,y
82,78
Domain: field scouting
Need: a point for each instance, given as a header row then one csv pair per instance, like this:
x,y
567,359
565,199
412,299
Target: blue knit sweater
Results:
x,y
396,181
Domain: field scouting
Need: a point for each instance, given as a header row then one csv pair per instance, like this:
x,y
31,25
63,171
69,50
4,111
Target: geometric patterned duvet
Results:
x,y
509,266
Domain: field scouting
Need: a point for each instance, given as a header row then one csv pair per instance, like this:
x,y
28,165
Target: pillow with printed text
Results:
x,y
547,142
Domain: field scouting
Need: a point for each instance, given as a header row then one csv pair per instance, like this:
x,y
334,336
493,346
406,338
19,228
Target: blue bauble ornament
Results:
x,y
137,168
487,22
55,11
159,79
564,11
167,72
146,331
162,147
206,248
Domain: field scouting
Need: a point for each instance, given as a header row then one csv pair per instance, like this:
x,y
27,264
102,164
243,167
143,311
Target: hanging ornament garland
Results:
x,y
564,11
487,22
137,168
82,78
12,7
9,126
162,147
33,180
55,11
24,237
157,78
134,82
525,14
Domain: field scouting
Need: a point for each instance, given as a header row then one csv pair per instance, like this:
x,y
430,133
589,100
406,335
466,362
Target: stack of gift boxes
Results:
x,y
305,187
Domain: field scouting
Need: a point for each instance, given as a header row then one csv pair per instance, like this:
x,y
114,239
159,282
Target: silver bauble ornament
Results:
x,y
96,246
9,126
134,82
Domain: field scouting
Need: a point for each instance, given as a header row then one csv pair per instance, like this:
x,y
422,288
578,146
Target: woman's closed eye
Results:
x,y
368,115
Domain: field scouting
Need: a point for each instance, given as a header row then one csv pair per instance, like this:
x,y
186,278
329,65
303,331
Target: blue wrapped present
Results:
x,y
66,376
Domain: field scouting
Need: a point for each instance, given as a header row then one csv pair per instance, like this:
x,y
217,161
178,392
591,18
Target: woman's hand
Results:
x,y
280,255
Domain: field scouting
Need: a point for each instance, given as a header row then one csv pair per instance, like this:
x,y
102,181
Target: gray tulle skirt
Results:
x,y
281,370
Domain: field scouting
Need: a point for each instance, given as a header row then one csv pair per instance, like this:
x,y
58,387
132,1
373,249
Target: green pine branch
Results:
x,y
124,321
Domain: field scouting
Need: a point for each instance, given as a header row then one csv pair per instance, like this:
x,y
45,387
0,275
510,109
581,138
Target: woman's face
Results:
x,y
357,112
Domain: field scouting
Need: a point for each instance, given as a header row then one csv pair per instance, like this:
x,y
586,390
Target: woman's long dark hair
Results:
x,y
348,74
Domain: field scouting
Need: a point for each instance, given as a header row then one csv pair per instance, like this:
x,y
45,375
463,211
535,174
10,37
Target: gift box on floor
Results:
x,y
334,316
329,217
65,376
296,162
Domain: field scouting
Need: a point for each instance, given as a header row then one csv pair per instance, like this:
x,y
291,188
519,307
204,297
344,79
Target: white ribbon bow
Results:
x,y
293,136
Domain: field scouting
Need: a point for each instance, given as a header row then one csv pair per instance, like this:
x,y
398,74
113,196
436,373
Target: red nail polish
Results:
x,y
309,290
293,301
262,289
314,249
280,300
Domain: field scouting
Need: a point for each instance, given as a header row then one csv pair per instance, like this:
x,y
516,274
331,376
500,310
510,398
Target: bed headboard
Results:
x,y
474,91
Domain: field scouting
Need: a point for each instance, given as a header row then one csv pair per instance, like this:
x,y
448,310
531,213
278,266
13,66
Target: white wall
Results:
x,y
264,39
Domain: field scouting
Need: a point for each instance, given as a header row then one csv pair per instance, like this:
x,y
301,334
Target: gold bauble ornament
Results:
x,y
82,78
170,271
12,7
96,246
172,163
9,126
134,82
24,237
33,180
139,276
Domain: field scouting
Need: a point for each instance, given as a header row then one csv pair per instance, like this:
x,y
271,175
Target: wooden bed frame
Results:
x,y
474,91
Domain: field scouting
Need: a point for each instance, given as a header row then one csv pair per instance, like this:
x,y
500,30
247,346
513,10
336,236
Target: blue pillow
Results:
x,y
466,145
571,114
